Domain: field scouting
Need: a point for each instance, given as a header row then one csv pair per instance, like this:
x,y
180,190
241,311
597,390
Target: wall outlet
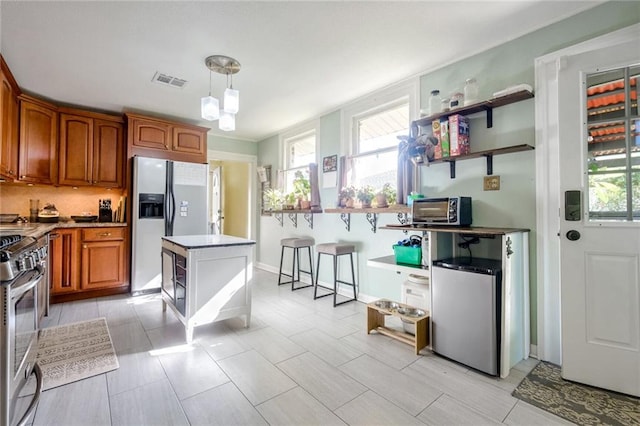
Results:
x,y
491,183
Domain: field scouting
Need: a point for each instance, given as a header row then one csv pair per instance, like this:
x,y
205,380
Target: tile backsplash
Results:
x,y
14,198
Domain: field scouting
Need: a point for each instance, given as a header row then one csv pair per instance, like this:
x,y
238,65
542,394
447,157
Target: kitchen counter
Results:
x,y
207,241
37,230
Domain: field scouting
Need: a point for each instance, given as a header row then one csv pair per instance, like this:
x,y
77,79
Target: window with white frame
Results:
x,y
299,147
374,125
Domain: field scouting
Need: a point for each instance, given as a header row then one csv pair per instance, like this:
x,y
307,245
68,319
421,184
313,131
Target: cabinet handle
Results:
x,y
105,234
84,246
54,236
23,177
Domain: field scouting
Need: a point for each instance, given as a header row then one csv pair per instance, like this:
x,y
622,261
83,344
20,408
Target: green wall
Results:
x,y
238,146
513,206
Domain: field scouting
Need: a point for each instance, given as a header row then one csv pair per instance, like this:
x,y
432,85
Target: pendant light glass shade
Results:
x,y
231,100
227,121
210,108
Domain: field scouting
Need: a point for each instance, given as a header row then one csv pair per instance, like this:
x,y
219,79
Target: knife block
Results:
x,y
105,215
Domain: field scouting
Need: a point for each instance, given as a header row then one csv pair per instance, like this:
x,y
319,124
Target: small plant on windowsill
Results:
x,y
274,199
302,189
289,201
386,196
365,194
346,196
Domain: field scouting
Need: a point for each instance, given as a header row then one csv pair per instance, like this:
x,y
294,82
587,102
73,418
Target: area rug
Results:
x,y
73,352
580,404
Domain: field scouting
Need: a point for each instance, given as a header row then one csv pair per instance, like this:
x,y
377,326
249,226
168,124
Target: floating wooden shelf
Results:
x,y
489,153
372,214
487,106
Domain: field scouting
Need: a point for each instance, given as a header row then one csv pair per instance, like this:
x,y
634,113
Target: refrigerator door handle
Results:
x,y
168,225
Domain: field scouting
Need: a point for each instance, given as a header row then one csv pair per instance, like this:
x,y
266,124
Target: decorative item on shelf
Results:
x,y
210,106
456,100
386,195
365,194
289,201
470,91
346,196
274,199
435,102
302,190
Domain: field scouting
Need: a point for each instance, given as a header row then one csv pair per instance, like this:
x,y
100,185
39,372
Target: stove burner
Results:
x,y
7,240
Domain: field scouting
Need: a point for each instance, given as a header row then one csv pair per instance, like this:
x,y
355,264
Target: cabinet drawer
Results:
x,y
103,234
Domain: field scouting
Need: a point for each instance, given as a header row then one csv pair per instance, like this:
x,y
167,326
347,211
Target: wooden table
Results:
x,y
376,322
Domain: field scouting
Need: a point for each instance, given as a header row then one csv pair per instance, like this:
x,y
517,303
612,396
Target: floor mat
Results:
x,y
580,404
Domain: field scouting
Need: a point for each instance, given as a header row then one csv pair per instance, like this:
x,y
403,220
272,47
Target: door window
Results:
x,y
613,145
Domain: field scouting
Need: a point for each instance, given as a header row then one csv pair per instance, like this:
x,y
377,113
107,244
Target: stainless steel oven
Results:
x,y
24,275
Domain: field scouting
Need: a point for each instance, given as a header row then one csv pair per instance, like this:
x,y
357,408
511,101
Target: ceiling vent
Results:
x,y
168,80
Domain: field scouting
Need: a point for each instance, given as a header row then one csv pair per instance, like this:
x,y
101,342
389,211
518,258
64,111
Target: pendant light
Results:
x,y
227,121
231,97
210,107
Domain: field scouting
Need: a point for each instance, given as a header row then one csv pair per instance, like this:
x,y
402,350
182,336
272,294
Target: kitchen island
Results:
x,y
207,278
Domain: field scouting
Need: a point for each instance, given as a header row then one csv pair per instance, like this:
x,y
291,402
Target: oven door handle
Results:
x,y
32,282
36,395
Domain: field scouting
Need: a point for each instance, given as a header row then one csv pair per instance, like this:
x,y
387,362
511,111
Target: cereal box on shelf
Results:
x,y
444,136
458,135
435,127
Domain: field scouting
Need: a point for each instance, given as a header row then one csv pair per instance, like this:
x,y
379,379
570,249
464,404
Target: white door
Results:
x,y
216,201
600,224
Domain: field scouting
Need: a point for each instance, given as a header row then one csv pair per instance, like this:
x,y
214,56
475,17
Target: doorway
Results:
x,y
589,248
232,185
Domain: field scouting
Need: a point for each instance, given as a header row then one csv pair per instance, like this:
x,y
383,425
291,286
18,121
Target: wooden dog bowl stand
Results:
x,y
375,321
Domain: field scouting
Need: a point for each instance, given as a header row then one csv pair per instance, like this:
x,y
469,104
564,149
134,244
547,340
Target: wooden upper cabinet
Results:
x,y
76,150
91,149
38,156
148,133
9,125
189,140
154,137
108,153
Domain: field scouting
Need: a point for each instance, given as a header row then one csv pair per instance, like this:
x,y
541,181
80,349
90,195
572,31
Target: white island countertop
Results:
x,y
208,240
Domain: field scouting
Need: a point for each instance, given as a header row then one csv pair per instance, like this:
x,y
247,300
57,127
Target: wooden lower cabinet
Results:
x,y
63,261
103,258
87,262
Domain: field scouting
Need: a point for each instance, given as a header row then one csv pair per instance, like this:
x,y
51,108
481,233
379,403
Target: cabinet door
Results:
x,y
63,261
38,148
102,264
189,141
108,154
76,150
150,134
8,129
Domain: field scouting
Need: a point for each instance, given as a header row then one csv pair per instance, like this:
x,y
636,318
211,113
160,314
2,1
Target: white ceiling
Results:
x,y
299,59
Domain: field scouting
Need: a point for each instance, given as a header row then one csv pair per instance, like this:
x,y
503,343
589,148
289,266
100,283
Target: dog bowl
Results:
x,y
386,304
411,312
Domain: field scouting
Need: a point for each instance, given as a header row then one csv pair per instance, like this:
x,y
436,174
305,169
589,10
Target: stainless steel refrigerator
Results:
x,y
169,198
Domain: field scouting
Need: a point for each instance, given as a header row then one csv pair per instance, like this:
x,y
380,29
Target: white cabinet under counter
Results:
x,y
207,278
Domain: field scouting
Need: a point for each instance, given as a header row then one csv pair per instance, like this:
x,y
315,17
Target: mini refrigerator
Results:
x,y
466,310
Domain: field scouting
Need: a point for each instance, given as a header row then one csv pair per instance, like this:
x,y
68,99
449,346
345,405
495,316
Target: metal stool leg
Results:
x,y
310,263
353,278
315,284
280,272
335,279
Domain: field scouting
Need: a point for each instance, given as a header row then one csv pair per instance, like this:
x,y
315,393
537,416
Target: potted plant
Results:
x,y
365,194
273,198
386,195
302,189
289,201
346,196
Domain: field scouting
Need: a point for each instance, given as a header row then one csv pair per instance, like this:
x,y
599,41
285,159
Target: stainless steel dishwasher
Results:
x,y
465,309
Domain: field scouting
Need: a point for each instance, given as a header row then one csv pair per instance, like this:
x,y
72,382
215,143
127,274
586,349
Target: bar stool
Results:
x,y
296,244
335,250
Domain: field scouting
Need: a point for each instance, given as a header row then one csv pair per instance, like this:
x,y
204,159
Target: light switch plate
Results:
x,y
492,183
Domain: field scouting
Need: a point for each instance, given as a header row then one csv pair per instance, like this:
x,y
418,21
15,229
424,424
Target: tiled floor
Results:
x,y
301,362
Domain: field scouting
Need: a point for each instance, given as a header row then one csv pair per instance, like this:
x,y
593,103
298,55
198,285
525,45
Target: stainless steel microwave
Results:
x,y
441,211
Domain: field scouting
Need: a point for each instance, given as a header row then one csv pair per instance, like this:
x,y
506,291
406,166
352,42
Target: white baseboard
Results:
x,y
533,351
345,291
